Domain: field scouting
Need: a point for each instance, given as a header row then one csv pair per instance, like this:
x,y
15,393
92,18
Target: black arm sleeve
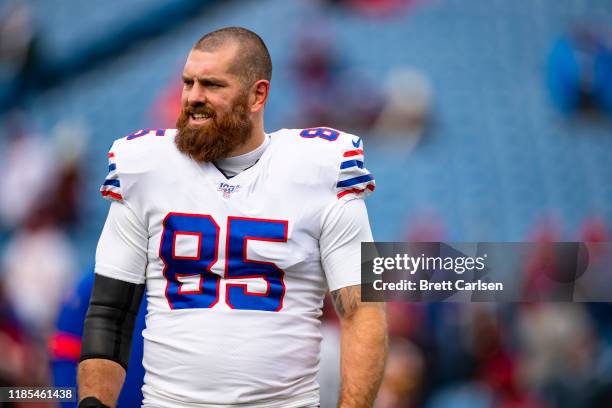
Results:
x,y
110,320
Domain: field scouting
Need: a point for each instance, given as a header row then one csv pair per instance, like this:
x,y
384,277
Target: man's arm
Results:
x,y
118,288
363,347
107,338
101,379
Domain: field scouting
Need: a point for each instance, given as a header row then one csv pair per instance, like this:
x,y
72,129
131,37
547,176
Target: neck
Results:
x,y
256,139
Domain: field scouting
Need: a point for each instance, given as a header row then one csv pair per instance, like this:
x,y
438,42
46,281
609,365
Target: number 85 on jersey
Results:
x,y
206,230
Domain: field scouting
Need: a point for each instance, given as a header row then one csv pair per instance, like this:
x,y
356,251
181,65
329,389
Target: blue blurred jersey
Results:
x,y
65,346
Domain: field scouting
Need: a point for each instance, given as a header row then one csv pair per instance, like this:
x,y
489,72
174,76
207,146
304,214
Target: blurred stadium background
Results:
x,y
484,120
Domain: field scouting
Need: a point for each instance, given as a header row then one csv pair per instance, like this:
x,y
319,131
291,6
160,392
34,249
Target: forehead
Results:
x,y
214,63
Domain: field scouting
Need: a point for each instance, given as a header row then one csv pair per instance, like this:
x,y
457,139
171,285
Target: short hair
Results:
x,y
252,61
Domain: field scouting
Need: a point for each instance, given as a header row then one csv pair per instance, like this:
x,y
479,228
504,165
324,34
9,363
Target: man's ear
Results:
x,y
259,95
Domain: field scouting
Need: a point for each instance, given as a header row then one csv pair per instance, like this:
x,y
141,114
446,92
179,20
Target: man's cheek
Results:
x,y
184,101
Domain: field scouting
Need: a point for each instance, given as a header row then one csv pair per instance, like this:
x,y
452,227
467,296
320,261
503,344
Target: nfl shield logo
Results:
x,y
227,189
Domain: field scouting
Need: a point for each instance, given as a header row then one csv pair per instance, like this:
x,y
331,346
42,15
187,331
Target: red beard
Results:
x,y
217,138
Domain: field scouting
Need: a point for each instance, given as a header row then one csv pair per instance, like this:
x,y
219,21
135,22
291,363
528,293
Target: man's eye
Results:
x,y
187,82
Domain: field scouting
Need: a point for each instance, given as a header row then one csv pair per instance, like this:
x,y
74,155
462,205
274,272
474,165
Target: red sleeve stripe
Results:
x,y
111,155
351,153
111,194
65,346
370,187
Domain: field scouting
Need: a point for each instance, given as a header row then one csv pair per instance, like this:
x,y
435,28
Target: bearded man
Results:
x,y
236,234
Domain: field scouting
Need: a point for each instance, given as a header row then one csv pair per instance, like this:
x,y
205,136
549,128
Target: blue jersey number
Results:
x,y
322,132
144,132
237,265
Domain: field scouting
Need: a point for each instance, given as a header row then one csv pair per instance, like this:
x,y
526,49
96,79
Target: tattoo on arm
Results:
x,y
347,300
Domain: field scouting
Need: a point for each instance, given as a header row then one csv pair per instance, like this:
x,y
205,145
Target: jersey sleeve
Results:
x,y
354,179
122,248
345,227
111,188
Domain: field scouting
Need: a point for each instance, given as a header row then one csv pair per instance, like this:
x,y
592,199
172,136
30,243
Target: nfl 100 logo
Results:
x,y
227,189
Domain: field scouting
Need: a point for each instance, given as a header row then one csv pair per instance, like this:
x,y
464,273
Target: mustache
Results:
x,y
200,109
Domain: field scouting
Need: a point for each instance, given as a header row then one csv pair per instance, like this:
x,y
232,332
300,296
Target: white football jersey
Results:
x,y
234,274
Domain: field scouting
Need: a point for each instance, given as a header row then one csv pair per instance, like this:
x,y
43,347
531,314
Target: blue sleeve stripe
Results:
x,y
355,180
351,163
112,183
112,167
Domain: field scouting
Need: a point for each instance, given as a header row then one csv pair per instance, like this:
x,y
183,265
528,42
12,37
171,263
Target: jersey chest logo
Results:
x,y
227,189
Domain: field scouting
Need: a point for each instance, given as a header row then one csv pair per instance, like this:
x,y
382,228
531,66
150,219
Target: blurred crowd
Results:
x,y
524,355
38,266
492,355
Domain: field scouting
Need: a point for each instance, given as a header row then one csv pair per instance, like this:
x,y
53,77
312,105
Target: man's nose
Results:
x,y
196,95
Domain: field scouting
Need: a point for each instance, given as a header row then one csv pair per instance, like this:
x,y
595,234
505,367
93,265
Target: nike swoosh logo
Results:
x,y
356,143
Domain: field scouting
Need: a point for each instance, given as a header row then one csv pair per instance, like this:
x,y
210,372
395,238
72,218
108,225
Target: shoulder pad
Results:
x,y
339,155
133,154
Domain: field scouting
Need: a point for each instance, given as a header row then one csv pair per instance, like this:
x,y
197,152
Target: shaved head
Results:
x,y
252,60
